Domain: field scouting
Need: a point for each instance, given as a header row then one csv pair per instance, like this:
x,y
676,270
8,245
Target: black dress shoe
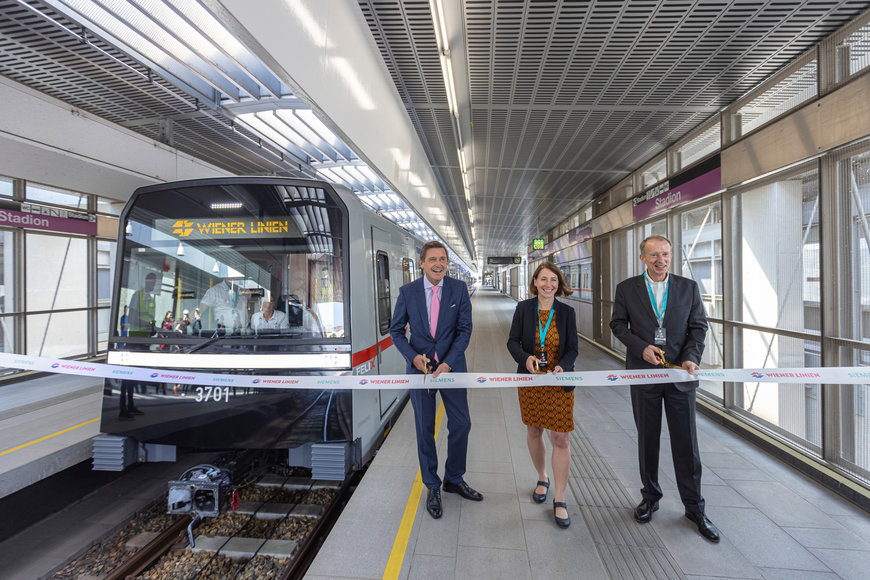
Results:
x,y
705,526
541,497
561,522
433,502
644,511
464,490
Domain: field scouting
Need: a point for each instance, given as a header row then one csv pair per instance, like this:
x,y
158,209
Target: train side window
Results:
x,y
407,269
383,289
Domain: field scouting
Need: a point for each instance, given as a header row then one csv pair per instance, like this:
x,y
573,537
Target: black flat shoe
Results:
x,y
433,502
705,526
464,490
561,522
541,497
644,511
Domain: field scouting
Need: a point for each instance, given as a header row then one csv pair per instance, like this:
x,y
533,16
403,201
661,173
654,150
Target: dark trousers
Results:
x,y
127,397
646,402
458,428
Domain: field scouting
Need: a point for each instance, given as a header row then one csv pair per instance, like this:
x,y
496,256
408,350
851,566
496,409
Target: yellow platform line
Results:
x,y
400,544
35,441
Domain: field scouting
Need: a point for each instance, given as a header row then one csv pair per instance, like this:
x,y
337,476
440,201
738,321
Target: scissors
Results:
x,y
660,356
425,367
538,367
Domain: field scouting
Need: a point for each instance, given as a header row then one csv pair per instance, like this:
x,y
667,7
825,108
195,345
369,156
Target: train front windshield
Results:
x,y
232,268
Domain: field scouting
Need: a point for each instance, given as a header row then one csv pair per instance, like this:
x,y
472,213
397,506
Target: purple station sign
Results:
x,y
655,201
36,221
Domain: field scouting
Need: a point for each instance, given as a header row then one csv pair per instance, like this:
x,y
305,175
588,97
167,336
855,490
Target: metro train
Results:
x,y
256,275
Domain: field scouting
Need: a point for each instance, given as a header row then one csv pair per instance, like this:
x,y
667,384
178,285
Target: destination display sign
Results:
x,y
207,229
500,260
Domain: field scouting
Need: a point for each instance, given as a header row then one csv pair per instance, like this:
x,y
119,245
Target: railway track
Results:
x,y
276,529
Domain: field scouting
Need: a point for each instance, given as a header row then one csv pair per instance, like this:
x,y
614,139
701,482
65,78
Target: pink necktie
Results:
x,y
434,309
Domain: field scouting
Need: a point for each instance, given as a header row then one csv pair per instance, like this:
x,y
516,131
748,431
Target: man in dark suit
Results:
x,y
657,313
438,310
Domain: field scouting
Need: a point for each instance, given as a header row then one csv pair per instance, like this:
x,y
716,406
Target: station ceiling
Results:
x,y
555,100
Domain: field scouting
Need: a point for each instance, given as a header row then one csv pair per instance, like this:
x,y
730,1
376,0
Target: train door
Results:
x,y
381,244
602,297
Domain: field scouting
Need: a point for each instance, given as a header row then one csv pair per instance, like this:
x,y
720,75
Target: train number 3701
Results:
x,y
216,394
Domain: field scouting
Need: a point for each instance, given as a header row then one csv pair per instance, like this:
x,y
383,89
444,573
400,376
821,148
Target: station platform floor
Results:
x,y
775,523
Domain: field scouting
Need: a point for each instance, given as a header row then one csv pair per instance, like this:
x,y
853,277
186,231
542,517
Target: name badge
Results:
x,y
660,337
543,360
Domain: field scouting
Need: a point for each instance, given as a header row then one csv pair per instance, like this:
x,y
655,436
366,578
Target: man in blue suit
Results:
x,y
438,310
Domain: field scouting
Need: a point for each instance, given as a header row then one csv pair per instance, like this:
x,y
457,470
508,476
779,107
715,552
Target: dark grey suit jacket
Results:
x,y
633,322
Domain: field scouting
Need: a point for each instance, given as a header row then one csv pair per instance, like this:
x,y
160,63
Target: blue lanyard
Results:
x,y
659,315
542,330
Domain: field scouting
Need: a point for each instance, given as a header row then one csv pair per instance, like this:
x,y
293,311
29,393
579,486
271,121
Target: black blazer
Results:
x,y
524,333
633,322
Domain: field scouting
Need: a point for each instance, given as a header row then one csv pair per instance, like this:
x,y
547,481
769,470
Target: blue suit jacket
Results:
x,y
454,324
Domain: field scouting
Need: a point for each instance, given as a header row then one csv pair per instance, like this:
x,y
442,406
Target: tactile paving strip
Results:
x,y
628,550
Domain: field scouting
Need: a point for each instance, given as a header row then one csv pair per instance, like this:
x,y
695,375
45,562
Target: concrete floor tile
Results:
x,y
562,553
824,538
729,475
848,564
724,496
475,563
782,505
781,574
487,483
761,541
493,523
726,460
860,524
424,567
694,554
438,537
368,559
612,444
487,467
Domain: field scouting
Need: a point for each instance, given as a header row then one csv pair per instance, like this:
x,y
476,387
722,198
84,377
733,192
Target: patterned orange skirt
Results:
x,y
547,407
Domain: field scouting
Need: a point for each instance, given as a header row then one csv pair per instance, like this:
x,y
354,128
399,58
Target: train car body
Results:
x,y
265,276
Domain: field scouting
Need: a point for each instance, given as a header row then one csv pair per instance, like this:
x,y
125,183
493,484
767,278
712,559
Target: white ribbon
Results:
x,y
829,375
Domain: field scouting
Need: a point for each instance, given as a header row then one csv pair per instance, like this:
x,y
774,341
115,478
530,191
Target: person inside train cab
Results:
x,y
660,319
142,307
196,323
227,306
184,324
543,339
269,319
438,310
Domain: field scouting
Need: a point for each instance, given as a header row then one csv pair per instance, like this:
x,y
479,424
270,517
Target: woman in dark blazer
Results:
x,y
547,407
